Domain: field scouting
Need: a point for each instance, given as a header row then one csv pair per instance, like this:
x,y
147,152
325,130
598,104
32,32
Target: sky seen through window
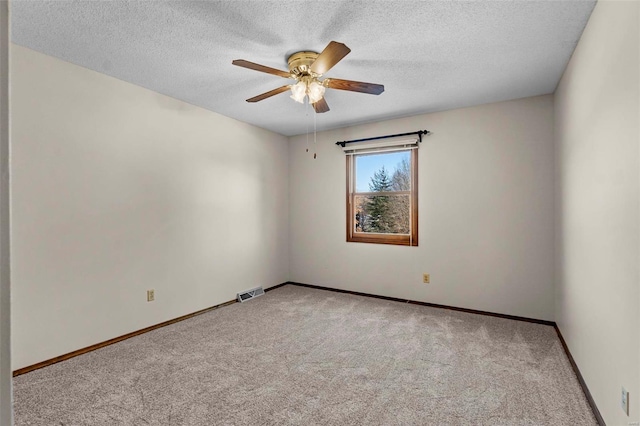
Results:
x,y
367,165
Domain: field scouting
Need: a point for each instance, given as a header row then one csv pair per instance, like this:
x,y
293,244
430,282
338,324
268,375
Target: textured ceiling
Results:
x,y
430,55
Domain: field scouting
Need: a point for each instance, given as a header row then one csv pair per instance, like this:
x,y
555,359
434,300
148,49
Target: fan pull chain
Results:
x,y
314,137
306,120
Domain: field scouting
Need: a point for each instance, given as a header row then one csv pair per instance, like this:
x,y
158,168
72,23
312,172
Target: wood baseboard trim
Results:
x,y
583,384
276,286
432,305
91,348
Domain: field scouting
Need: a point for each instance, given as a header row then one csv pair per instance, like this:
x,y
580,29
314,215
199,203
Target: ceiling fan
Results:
x,y
306,68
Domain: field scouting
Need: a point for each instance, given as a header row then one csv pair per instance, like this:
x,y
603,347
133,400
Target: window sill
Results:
x,y
392,239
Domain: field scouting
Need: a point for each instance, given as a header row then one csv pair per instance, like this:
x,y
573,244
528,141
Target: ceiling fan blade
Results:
x,y
261,68
268,94
354,86
321,106
331,55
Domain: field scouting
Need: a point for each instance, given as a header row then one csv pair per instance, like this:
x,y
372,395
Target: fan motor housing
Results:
x,y
300,62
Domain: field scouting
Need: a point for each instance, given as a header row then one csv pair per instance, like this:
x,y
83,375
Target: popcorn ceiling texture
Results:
x,y
430,55
300,356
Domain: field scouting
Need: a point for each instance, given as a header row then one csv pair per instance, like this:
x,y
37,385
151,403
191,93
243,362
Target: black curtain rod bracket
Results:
x,y
419,133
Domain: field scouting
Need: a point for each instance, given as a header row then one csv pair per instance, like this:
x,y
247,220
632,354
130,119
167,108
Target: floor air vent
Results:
x,y
250,294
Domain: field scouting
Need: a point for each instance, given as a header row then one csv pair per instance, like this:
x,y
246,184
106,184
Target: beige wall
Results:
x,y
5,260
485,212
598,189
118,189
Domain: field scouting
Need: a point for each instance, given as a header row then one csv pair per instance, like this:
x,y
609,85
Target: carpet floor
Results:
x,y
300,356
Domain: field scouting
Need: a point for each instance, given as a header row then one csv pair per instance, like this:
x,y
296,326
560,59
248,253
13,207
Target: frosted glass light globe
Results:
x,y
299,91
316,92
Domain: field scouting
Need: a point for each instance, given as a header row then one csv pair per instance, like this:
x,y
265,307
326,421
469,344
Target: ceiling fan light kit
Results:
x,y
307,86
307,67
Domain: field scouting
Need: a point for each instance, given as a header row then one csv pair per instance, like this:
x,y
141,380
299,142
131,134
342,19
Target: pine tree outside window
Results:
x,y
382,197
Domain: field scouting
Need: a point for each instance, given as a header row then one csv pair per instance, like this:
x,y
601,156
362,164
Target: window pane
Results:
x,y
382,214
383,172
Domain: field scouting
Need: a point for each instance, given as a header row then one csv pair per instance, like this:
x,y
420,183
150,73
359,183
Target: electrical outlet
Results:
x,y
624,401
151,295
426,278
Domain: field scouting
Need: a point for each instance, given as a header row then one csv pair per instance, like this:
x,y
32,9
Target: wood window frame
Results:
x,y
370,237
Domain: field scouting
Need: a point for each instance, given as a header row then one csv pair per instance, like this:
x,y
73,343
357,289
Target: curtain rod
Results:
x,y
419,133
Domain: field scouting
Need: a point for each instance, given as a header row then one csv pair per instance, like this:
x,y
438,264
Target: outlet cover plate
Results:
x,y
624,401
426,278
151,295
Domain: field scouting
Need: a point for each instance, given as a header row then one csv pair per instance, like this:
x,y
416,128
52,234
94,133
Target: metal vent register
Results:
x,y
250,294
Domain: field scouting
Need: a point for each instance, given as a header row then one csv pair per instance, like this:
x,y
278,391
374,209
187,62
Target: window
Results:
x,y
382,197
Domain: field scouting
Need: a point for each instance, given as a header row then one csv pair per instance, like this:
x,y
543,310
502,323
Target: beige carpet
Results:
x,y
299,356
